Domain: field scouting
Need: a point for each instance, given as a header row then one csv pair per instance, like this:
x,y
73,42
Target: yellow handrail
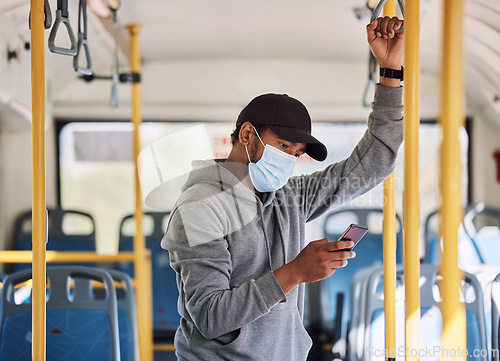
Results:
x,y
60,256
411,204
452,119
168,347
38,166
389,242
142,266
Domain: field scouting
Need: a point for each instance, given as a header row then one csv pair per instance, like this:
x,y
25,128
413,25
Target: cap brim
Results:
x,y
314,148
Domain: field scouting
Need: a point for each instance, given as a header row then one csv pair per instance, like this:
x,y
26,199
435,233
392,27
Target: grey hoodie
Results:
x,y
225,242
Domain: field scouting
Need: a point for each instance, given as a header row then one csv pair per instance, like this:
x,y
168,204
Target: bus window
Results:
x,y
97,173
96,168
341,138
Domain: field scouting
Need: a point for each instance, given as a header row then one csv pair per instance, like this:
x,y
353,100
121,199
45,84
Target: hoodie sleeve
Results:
x,y
199,253
369,164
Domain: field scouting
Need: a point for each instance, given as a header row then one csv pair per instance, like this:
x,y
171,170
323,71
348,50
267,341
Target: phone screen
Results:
x,y
354,233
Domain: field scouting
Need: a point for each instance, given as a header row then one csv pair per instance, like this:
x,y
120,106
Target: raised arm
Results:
x,y
369,163
373,158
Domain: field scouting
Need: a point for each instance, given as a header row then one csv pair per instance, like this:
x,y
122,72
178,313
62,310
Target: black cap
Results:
x,y
285,116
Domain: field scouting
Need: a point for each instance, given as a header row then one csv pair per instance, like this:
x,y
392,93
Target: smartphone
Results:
x,y
353,233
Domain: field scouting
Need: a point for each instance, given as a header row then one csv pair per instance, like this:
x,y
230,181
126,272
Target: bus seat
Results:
x,y
482,224
475,316
78,328
431,324
127,316
166,318
488,242
355,329
431,235
495,318
431,318
58,239
468,252
369,252
83,290
486,274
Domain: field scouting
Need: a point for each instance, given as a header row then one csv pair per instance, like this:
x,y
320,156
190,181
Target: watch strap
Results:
x,y
391,73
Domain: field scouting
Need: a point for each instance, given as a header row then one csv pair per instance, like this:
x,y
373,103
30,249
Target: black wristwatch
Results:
x,y
391,73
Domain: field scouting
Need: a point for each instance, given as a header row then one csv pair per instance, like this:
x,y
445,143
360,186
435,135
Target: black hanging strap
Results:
x,y
62,17
82,41
47,19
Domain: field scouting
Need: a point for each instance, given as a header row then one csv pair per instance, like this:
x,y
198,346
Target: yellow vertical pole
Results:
x,y
389,241
452,118
390,8
389,235
142,274
38,184
411,192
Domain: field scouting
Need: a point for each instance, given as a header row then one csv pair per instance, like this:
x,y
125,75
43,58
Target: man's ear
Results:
x,y
246,133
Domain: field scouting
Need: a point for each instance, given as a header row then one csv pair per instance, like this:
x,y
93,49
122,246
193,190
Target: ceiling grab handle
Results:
x,y
47,20
372,65
378,9
62,17
114,101
82,41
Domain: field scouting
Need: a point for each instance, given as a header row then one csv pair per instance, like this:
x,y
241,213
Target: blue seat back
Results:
x,y
431,328
488,242
431,318
58,239
495,318
482,224
166,318
431,235
127,315
358,296
77,328
369,252
469,254
486,274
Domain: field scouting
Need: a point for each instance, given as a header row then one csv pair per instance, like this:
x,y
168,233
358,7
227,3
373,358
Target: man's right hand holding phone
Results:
x,y
317,261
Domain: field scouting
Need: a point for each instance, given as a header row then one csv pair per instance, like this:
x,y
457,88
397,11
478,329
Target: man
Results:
x,y
236,235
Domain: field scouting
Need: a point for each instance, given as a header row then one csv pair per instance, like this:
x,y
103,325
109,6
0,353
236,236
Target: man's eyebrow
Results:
x,y
303,150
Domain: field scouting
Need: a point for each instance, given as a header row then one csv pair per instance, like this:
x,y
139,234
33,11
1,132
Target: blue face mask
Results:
x,y
273,169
